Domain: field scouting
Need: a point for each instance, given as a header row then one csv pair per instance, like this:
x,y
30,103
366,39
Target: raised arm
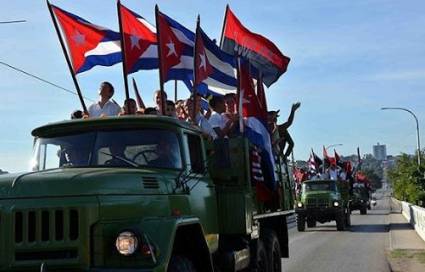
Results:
x,y
290,120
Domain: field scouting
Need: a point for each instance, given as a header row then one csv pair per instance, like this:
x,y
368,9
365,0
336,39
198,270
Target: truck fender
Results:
x,y
182,236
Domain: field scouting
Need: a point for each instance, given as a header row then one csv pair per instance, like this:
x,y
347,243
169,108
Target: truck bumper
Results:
x,y
357,205
320,214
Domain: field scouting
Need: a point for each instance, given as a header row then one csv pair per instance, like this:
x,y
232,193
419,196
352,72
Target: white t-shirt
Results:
x,y
109,109
333,175
205,126
217,120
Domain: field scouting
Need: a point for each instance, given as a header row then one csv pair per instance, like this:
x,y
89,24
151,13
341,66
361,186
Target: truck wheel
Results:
x,y
363,210
180,264
273,251
340,221
300,222
348,219
311,223
259,261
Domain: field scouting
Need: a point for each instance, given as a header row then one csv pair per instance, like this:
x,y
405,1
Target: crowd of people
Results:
x,y
220,120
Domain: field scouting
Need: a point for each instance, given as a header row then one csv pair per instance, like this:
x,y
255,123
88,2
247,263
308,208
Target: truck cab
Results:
x,y
323,201
138,193
360,199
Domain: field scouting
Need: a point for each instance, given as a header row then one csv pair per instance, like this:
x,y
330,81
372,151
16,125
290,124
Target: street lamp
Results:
x,y
417,129
332,145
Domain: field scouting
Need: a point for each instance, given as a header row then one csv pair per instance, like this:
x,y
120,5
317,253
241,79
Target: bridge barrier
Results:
x,y
414,214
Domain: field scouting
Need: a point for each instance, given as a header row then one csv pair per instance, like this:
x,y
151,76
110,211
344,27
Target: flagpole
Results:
x,y
195,79
240,95
138,97
124,61
224,24
68,61
175,91
161,80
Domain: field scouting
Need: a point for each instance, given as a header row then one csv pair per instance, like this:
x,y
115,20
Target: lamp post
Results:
x,y
417,129
332,145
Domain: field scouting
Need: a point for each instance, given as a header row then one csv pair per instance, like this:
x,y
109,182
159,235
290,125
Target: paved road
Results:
x,y
323,249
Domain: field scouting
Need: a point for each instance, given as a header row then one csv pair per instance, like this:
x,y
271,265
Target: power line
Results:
x,y
13,22
41,79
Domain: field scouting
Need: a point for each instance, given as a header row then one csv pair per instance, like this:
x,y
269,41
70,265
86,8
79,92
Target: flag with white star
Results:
x,y
88,45
213,67
140,44
176,45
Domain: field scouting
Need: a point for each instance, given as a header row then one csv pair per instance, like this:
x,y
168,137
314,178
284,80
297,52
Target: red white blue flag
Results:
x,y
89,45
213,68
176,44
140,43
255,129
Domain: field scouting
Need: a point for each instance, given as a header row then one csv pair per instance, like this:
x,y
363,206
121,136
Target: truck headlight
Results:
x,y
336,203
127,243
300,205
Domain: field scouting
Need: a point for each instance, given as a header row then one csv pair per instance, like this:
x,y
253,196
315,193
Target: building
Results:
x,y
380,152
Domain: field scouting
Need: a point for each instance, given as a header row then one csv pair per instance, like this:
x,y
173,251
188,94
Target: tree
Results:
x,y
408,180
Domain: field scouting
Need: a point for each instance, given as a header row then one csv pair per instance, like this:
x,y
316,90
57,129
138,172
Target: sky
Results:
x,y
348,59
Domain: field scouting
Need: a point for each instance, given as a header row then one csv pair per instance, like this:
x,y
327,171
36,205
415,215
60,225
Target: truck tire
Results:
x,y
363,210
274,255
311,223
180,264
340,221
300,222
348,219
259,261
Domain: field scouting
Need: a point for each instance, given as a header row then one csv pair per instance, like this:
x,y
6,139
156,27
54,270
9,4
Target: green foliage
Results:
x,y
407,180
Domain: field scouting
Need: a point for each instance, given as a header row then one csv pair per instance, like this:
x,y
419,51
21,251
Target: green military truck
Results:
x,y
360,199
323,201
140,193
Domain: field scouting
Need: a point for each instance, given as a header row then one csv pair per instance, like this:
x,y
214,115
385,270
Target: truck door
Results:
x,y
202,190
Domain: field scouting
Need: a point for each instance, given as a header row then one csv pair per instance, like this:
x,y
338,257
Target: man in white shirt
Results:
x,y
333,174
104,107
200,120
220,123
158,97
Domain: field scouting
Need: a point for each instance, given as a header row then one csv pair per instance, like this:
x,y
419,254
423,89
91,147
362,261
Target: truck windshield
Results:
x,y
308,187
123,148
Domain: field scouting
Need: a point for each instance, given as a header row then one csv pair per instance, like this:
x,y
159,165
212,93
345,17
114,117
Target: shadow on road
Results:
x,y
401,226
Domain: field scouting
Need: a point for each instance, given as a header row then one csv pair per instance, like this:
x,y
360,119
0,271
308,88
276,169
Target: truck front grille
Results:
x,y
317,203
46,225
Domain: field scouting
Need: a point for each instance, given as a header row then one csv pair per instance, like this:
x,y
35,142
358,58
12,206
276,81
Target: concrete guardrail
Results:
x,y
415,215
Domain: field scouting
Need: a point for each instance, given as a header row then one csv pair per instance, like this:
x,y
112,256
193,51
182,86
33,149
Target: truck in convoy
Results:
x,y
323,201
142,193
360,198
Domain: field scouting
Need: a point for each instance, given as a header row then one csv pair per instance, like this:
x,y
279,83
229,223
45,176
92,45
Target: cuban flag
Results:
x,y
255,129
176,45
215,70
139,39
89,45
